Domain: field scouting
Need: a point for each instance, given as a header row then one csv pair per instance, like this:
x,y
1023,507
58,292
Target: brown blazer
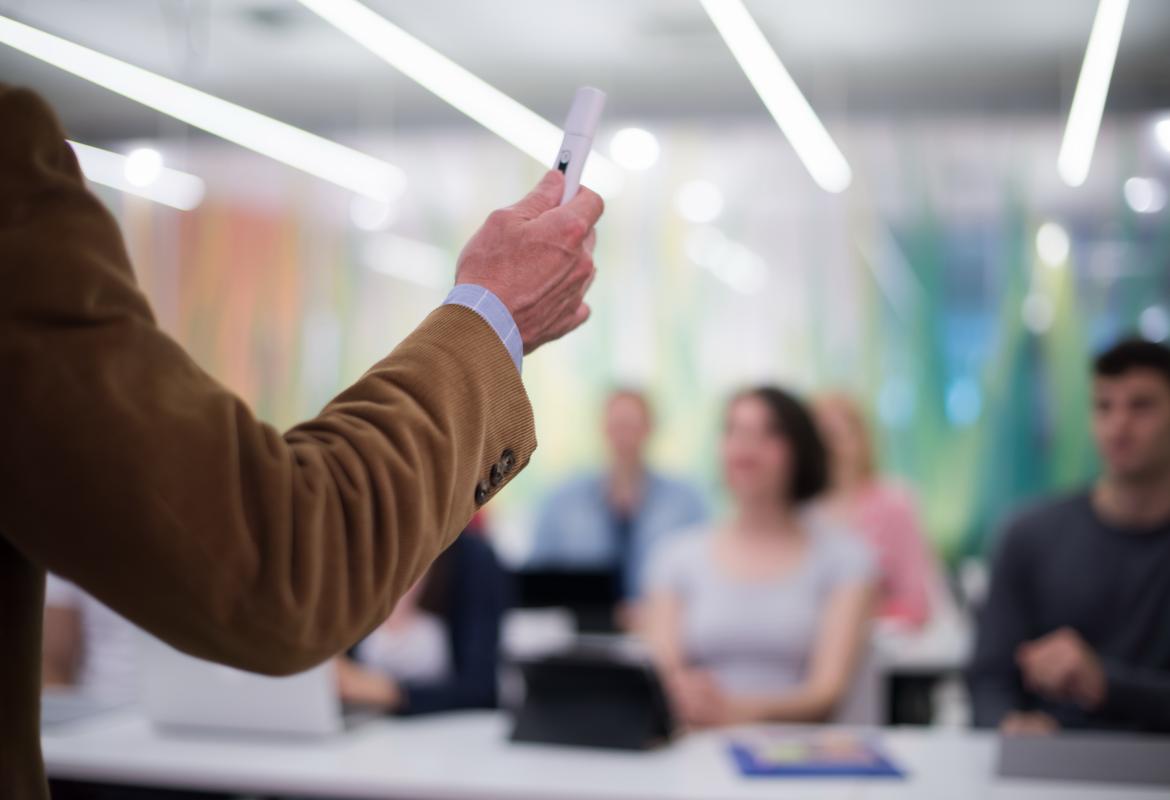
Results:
x,y
127,469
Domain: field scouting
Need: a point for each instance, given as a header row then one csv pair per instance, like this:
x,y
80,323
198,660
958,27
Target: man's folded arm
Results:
x,y
1138,694
133,473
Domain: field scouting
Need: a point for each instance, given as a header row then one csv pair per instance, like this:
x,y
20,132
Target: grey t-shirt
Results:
x,y
756,636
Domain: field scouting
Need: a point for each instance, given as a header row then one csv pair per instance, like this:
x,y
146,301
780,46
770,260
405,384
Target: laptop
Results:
x,y
589,594
1087,756
183,693
600,692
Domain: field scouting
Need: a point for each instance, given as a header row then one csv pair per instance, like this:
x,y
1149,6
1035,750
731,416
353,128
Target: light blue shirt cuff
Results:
x,y
494,313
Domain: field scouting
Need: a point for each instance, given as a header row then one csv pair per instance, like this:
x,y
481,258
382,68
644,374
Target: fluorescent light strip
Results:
x,y
510,120
1084,117
780,94
171,188
329,160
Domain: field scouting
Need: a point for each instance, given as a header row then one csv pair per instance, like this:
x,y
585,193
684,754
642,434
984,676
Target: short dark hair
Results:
x,y
1130,354
792,420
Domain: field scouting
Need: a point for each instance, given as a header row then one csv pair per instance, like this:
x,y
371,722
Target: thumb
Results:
x,y
545,196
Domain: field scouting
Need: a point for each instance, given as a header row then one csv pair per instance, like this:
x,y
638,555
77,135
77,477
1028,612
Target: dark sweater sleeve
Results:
x,y
993,677
478,604
1140,694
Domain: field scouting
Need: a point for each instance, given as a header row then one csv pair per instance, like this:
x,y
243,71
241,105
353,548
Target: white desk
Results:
x,y
467,757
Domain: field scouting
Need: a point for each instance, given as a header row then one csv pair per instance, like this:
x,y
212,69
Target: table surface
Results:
x,y
467,757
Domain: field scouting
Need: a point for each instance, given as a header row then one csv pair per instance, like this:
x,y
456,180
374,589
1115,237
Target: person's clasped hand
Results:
x,y
537,257
1028,723
699,702
1062,666
360,686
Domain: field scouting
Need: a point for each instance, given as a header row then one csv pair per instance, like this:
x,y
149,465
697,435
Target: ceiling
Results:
x,y
657,58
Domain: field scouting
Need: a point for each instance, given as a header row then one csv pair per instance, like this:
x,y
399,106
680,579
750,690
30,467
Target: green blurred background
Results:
x,y
951,290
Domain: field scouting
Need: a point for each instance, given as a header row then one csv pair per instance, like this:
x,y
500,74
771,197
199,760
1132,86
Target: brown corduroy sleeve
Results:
x,y
127,469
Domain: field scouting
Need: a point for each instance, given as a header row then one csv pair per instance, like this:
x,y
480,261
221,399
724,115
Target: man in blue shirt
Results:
x,y
614,519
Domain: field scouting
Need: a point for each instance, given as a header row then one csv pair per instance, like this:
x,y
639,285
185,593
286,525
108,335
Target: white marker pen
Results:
x,y
580,126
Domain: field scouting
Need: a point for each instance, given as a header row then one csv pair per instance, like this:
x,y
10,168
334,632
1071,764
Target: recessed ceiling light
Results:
x,y
1052,244
1145,195
634,148
699,201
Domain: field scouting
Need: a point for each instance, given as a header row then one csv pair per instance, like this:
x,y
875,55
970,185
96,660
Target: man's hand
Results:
x,y
1028,723
1061,666
537,257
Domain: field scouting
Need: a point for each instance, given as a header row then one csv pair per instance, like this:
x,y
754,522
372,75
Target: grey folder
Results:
x,y
1075,756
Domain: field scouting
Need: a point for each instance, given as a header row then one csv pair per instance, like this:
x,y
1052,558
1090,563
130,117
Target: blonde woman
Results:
x,y
881,512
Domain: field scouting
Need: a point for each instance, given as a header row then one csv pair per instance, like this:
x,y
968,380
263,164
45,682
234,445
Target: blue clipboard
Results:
x,y
817,755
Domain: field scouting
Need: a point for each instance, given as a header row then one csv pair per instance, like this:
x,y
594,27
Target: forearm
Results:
x,y
1139,695
992,698
56,674
60,646
460,692
802,704
274,553
234,543
665,650
909,598
907,613
913,570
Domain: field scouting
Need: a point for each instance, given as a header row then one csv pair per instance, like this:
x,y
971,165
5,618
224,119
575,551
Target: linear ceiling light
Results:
x,y
305,151
1084,117
510,120
150,180
780,94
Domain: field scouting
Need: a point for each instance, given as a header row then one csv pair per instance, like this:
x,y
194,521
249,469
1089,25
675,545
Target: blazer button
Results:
x,y
481,492
507,460
497,476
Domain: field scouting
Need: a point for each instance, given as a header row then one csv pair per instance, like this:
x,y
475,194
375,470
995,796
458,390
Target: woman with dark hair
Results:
x,y
439,650
763,617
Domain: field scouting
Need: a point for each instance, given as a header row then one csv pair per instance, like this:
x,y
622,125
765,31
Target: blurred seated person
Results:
x,y
612,519
86,646
439,649
1075,632
882,512
763,616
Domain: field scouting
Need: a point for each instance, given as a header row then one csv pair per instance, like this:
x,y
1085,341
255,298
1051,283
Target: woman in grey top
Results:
x,y
764,616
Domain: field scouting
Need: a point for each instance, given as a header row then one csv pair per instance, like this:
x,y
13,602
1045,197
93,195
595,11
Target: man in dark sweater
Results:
x,y
1076,629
